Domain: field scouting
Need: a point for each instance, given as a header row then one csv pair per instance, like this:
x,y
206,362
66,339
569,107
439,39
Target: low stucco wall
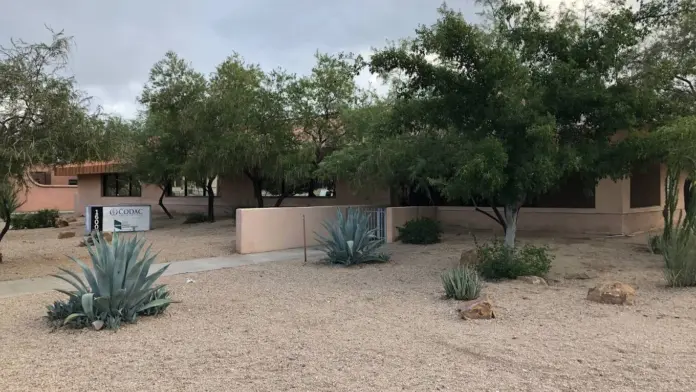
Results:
x,y
572,221
398,216
57,197
268,229
577,221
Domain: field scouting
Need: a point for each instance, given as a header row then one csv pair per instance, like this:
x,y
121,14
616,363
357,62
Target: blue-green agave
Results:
x,y
350,240
119,287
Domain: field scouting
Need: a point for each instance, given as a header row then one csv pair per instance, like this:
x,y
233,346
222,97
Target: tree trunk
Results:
x,y
211,200
257,183
5,228
507,220
510,213
282,197
161,201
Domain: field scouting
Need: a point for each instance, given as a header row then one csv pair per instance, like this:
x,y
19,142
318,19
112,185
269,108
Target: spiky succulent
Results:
x,y
462,283
119,287
350,240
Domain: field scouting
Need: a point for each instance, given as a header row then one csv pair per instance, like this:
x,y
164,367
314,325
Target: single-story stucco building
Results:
x,y
615,207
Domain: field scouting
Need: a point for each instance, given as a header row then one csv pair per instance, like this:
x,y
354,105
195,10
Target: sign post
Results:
x,y
118,218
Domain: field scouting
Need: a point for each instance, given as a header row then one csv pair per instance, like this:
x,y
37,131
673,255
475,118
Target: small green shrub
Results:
x,y
679,253
462,283
498,261
196,217
119,287
37,220
655,244
350,241
420,231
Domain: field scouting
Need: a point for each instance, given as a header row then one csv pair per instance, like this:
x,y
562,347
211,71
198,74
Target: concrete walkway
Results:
x,y
13,288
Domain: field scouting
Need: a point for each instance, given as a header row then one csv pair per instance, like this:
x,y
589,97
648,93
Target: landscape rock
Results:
x,y
578,276
62,223
66,234
71,219
468,258
615,293
531,279
481,309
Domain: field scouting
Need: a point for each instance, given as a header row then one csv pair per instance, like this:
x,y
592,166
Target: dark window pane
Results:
x,y
136,189
110,184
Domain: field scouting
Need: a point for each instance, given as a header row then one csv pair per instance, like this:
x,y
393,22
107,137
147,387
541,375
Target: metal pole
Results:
x,y
304,237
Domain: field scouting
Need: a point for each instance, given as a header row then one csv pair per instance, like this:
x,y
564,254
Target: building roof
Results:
x,y
87,168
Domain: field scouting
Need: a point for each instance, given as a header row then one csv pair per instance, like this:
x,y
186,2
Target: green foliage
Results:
x,y
61,309
420,231
118,289
44,119
462,283
499,261
679,253
538,105
196,217
41,219
350,241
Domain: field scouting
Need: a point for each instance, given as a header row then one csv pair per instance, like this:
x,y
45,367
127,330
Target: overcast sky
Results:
x,y
117,42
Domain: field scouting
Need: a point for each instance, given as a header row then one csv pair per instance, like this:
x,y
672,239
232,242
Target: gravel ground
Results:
x,y
39,252
295,327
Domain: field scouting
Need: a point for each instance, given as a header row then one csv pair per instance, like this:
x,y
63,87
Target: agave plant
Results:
x,y
119,287
350,240
462,283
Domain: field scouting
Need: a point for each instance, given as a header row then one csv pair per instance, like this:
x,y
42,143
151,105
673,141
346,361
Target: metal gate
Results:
x,y
377,221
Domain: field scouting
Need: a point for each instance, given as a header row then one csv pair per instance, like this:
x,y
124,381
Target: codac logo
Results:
x,y
125,211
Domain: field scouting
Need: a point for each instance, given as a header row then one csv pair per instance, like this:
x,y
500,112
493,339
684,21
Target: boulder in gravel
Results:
x,y
531,279
71,219
66,234
62,223
468,258
481,309
615,293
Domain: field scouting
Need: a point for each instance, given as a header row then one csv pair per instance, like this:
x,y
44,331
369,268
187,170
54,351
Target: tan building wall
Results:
x,y
233,193
612,213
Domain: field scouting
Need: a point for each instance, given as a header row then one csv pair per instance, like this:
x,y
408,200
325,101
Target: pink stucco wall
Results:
x,y
36,197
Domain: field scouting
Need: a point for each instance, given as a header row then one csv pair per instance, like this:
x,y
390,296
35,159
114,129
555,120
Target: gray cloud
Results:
x,y
117,42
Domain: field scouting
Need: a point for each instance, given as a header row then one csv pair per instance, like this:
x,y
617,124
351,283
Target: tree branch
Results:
x,y
499,219
688,82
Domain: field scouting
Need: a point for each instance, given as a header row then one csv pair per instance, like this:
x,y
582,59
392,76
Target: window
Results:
x,y
72,181
646,186
183,187
314,188
120,185
42,178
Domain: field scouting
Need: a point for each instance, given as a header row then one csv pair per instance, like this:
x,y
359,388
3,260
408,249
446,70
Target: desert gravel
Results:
x,y
39,252
292,326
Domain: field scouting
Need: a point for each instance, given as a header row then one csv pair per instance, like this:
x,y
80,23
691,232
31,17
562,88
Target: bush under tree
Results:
x,y
495,260
420,231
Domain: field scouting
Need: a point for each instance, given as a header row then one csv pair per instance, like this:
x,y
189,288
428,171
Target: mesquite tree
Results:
x,y
501,113
44,119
